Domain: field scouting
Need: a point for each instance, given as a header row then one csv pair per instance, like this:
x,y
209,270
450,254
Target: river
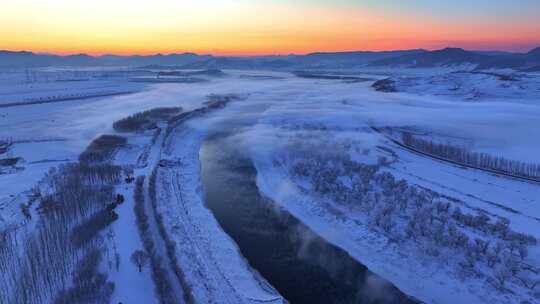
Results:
x,y
302,266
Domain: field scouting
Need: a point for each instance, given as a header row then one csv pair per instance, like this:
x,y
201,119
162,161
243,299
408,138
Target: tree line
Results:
x,y
55,258
145,120
463,155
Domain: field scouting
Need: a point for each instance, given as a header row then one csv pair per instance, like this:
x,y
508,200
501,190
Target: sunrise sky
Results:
x,y
254,27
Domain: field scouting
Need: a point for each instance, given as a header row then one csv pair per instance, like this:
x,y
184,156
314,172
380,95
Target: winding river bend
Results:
x,y
303,267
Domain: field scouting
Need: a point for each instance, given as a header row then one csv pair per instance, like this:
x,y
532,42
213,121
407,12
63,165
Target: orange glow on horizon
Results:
x,y
240,28
375,46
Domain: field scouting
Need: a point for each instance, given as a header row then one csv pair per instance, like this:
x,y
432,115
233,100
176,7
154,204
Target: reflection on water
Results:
x,y
303,267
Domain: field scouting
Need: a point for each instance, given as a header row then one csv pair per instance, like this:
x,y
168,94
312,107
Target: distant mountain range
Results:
x,y
28,59
456,57
406,58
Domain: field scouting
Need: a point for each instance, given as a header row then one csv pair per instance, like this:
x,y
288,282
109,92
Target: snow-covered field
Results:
x,y
461,84
277,111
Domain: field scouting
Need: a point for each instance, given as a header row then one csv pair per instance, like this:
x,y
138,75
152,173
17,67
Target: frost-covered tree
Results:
x,y
140,259
482,245
510,262
501,275
464,156
523,251
526,279
481,221
409,213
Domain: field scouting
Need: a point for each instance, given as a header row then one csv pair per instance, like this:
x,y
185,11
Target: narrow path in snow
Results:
x,y
152,161
131,286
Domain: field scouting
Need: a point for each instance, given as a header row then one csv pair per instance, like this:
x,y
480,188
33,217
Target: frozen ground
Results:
x,y
45,135
24,87
278,108
473,86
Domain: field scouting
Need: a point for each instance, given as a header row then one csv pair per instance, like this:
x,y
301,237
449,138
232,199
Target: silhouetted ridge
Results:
x,y
456,56
447,57
534,52
444,57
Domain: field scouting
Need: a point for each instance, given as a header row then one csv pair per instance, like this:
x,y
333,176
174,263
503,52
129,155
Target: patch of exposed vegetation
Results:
x,y
329,76
10,161
209,72
5,145
385,85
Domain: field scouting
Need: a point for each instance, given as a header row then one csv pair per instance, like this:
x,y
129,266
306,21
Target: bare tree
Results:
x,y
527,280
139,258
500,275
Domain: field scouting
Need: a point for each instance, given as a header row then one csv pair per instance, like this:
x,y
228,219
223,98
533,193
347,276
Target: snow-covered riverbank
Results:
x,y
279,107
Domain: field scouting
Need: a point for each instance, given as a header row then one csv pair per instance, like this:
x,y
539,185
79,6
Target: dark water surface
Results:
x,y
303,267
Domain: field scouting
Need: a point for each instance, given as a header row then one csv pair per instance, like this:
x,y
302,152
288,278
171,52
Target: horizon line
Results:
x,y
244,54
